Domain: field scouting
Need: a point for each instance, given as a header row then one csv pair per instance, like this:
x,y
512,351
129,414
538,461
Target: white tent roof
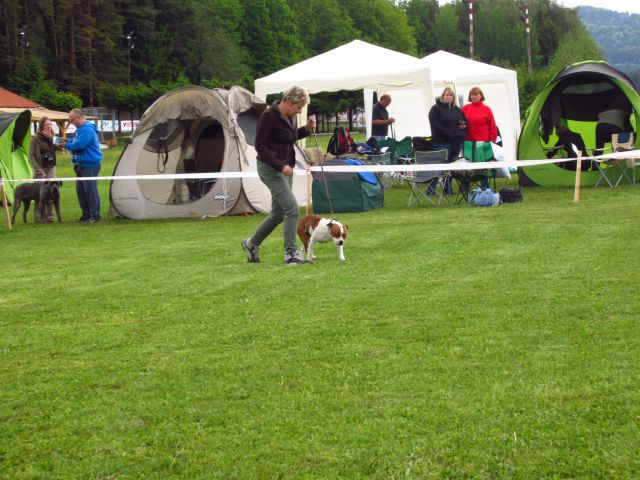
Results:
x,y
361,66
353,66
448,65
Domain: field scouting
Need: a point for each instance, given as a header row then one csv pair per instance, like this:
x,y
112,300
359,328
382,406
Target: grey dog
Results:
x,y
42,194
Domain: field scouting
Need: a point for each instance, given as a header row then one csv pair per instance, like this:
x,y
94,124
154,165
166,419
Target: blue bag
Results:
x,y
483,198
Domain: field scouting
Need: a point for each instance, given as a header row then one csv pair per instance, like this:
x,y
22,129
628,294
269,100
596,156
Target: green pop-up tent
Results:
x,y
574,98
15,135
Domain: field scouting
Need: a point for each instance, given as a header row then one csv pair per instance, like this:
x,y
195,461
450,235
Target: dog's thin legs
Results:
x,y
310,256
16,207
57,207
305,245
25,209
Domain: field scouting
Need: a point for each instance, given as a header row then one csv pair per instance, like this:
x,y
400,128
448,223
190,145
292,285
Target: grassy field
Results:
x,y
454,342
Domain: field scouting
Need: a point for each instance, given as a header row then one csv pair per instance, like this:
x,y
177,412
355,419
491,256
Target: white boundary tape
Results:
x,y
455,166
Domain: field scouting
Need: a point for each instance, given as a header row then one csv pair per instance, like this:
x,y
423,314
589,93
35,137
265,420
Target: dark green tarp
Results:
x,y
348,192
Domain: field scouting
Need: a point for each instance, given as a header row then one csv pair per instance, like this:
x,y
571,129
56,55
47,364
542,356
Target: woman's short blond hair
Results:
x,y
452,92
296,95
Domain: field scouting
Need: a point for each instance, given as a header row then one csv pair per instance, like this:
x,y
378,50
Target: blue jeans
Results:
x,y
453,150
87,191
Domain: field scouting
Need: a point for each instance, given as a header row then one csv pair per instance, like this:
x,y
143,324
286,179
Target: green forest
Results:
x,y
123,54
618,33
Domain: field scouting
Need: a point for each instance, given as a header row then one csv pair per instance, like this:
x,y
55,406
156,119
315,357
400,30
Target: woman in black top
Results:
x,y
448,127
277,132
42,154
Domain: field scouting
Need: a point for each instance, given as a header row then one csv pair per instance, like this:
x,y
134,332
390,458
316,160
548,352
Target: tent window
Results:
x,y
164,137
248,122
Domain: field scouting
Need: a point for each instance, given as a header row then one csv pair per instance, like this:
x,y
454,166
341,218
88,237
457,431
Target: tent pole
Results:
x,y
5,207
308,169
576,192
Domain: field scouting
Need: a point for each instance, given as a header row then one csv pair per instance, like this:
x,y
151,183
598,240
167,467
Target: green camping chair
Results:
x,y
476,152
397,148
467,180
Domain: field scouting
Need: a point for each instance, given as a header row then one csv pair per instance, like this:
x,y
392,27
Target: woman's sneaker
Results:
x,y
295,258
251,251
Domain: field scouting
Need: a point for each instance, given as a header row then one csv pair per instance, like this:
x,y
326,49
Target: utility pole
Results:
x,y
471,29
130,47
24,40
525,12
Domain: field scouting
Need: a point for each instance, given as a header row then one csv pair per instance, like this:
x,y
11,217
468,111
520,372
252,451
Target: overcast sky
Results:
x,y
631,6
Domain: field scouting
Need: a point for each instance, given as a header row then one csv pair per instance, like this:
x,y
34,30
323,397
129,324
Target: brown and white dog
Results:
x,y
314,228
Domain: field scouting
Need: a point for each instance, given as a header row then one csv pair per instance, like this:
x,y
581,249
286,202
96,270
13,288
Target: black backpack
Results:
x,y
510,195
422,144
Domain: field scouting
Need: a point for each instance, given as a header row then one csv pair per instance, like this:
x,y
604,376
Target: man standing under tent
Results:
x,y
380,120
276,134
86,157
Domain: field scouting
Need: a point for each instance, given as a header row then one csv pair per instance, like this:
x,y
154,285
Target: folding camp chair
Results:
x,y
397,148
479,152
429,184
381,159
467,180
613,170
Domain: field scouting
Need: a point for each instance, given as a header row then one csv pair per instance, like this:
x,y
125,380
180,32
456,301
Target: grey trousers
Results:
x,y
284,208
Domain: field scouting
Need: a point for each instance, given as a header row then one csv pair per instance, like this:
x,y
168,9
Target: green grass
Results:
x,y
454,342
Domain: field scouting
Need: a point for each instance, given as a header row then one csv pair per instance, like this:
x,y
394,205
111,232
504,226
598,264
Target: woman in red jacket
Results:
x,y
481,126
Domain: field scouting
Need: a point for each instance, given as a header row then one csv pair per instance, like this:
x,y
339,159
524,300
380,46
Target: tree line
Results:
x,y
123,54
618,33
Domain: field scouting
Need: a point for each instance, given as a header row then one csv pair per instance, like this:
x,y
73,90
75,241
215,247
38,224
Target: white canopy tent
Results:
x,y
500,87
361,66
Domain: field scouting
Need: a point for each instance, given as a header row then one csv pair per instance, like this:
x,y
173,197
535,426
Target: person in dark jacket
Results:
x,y
448,128
380,119
42,154
276,133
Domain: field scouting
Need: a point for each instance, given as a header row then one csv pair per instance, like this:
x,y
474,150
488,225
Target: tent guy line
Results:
x,y
460,166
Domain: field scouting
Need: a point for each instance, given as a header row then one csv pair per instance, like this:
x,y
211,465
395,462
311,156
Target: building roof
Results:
x,y
38,113
11,100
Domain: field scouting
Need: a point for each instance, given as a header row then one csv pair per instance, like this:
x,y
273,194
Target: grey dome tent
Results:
x,y
574,98
195,130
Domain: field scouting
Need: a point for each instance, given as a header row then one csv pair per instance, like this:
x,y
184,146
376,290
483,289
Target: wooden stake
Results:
x,y
576,193
5,206
308,190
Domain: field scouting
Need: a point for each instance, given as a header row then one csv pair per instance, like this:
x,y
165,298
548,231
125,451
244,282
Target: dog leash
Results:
x,y
324,177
